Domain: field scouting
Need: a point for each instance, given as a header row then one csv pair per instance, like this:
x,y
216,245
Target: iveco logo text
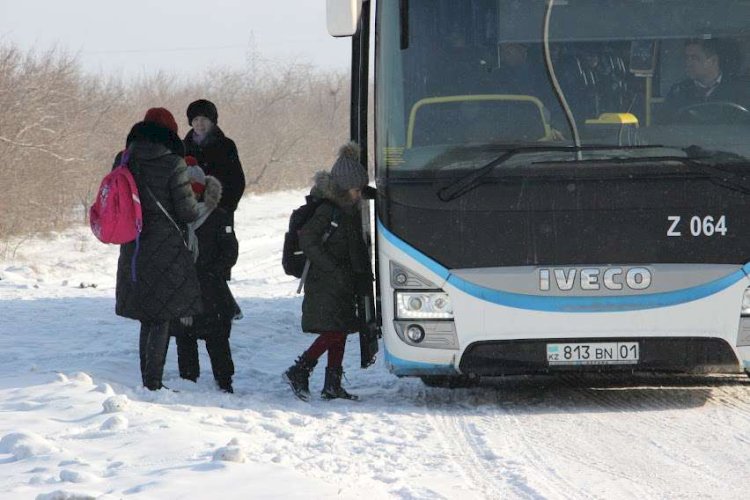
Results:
x,y
593,278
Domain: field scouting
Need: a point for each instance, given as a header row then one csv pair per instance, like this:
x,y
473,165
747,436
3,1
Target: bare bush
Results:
x,y
60,129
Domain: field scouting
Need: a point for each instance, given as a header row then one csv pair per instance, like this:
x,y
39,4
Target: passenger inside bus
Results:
x,y
711,92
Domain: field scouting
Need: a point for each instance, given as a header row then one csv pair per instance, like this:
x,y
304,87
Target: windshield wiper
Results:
x,y
722,157
701,160
470,181
708,162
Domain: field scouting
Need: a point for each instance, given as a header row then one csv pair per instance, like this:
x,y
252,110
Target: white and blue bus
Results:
x,y
562,185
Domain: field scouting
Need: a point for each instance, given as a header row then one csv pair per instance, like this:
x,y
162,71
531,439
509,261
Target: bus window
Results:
x,y
630,63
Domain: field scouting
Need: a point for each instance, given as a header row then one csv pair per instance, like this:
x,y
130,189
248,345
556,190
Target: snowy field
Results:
x,y
75,423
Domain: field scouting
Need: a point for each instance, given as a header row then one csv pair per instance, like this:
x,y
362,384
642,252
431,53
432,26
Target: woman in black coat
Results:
x,y
217,156
339,270
216,153
156,278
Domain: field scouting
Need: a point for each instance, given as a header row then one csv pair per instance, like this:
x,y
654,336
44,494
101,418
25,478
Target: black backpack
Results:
x,y
292,258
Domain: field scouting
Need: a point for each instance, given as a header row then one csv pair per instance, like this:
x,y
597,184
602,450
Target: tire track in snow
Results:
x,y
665,437
466,455
536,445
633,472
529,450
586,461
645,401
509,474
735,398
514,476
497,476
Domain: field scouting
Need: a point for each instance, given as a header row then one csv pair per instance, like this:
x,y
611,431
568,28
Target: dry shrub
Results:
x,y
60,128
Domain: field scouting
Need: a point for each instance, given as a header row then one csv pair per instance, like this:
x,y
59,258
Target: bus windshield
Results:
x,y
458,79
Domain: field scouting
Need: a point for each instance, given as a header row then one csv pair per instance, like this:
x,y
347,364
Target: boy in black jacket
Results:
x,y
214,245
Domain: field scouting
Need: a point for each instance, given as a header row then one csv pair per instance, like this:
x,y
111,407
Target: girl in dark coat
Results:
x,y
214,247
340,268
156,279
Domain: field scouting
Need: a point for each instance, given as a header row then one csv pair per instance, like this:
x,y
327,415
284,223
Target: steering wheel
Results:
x,y
713,113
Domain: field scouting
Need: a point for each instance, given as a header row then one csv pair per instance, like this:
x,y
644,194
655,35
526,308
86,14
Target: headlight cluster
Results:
x,y
746,303
423,305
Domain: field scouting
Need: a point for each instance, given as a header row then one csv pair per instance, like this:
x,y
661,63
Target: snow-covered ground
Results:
x,y
75,423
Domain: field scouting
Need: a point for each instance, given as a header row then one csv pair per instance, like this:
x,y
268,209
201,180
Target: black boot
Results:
x,y
332,388
298,377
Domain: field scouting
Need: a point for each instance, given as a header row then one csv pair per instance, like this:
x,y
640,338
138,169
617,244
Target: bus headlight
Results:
x,y
746,303
423,305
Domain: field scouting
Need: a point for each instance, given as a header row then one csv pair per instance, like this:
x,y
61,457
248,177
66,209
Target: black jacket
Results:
x,y
166,284
218,157
688,93
217,254
339,267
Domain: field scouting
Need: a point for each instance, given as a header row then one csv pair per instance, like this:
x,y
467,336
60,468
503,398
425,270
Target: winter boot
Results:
x,y
332,388
298,377
226,386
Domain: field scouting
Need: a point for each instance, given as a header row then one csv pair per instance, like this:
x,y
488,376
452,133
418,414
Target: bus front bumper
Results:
x,y
656,354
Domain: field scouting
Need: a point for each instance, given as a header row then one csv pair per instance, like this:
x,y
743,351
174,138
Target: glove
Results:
x,y
187,321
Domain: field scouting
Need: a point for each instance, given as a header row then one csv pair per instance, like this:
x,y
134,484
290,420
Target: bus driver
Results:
x,y
706,82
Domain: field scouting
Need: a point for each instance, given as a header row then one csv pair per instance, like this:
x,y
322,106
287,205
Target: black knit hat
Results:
x,y
202,107
347,171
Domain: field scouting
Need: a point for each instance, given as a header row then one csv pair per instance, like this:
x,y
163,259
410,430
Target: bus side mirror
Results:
x,y
343,16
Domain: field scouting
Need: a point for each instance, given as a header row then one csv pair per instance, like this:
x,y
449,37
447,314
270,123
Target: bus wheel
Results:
x,y
450,381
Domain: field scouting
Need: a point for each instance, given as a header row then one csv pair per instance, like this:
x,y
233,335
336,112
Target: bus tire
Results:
x,y
450,381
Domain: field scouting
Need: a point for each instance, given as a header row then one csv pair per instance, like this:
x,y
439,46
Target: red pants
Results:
x,y
333,342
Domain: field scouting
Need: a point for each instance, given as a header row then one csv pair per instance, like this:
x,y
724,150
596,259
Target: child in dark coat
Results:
x,y
214,246
340,271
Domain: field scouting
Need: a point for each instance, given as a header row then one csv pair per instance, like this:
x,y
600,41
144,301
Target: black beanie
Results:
x,y
202,107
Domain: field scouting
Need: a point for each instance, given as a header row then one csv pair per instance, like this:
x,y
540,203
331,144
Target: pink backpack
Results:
x,y
116,215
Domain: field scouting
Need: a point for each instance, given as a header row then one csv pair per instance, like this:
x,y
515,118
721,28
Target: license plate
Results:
x,y
595,353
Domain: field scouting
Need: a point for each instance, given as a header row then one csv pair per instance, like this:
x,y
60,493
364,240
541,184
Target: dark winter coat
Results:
x,y
217,254
688,93
166,284
339,267
218,157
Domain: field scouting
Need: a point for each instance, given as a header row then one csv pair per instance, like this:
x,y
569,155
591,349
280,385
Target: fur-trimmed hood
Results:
x,y
325,187
212,194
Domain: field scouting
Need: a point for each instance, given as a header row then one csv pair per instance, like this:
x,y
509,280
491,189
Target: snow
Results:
x,y
115,403
75,423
